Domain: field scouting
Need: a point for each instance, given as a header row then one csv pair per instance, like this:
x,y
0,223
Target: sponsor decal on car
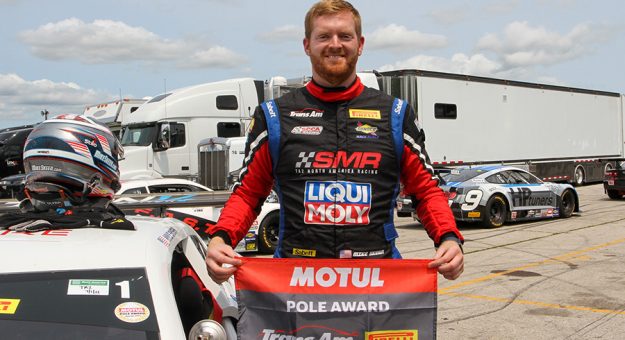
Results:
x,y
167,236
87,287
132,312
340,203
8,306
474,214
524,197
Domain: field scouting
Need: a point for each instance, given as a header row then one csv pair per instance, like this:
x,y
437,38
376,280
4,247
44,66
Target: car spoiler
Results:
x,y
159,203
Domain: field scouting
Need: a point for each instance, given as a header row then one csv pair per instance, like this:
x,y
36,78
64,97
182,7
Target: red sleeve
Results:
x,y
432,206
248,196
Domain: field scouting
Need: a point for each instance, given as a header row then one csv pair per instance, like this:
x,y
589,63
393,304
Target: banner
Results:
x,y
331,299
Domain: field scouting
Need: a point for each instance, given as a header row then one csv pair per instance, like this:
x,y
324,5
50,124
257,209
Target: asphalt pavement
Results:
x,y
549,279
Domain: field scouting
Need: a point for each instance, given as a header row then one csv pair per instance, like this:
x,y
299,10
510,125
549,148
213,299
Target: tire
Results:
x,y
567,204
496,212
614,194
579,176
403,214
268,233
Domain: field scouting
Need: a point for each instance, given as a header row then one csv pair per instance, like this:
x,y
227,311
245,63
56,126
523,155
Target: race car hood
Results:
x,y
91,248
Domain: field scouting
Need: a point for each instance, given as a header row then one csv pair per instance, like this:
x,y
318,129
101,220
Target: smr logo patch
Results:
x,y
341,203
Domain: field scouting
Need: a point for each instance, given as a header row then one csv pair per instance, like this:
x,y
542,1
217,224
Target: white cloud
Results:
x,y
396,37
108,42
216,56
477,64
523,45
23,99
283,34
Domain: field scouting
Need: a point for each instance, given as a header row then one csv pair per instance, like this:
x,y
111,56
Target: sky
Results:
x,y
63,55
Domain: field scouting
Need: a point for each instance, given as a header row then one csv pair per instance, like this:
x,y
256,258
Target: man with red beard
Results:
x,y
335,151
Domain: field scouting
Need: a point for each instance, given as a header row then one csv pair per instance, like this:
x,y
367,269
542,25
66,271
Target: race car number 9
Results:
x,y
472,199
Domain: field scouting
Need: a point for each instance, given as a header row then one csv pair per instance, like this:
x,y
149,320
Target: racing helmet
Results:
x,y
71,158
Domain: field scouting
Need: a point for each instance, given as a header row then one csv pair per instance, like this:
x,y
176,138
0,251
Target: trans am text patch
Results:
x,y
340,202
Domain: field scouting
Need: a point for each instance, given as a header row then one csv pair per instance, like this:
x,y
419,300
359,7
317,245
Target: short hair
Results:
x,y
325,7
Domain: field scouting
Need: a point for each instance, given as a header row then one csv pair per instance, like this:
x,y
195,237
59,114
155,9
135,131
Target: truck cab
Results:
x,y
160,138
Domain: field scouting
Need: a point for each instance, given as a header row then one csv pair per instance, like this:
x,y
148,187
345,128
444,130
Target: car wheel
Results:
x,y
403,214
614,194
579,177
567,204
268,233
495,212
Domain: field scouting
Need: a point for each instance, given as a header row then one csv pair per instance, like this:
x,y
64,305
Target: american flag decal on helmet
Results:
x,y
105,144
80,148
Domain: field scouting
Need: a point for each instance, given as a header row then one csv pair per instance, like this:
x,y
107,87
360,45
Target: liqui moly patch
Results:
x,y
337,202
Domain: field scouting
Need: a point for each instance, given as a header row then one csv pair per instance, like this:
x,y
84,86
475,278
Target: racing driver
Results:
x,y
335,152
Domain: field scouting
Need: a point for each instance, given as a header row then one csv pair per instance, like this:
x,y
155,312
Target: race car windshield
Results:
x,y
461,175
81,304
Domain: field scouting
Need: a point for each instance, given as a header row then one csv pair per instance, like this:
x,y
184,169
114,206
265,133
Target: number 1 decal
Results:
x,y
472,199
125,289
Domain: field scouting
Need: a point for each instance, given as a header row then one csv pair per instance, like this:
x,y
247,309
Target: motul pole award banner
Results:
x,y
331,299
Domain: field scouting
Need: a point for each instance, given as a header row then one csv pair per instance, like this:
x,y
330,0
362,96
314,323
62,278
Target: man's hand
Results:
x,y
449,260
218,254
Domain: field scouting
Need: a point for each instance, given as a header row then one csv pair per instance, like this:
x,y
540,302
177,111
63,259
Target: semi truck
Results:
x,y
160,138
558,133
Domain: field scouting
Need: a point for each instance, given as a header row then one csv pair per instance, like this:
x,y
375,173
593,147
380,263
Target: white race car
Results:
x,y
262,236
95,283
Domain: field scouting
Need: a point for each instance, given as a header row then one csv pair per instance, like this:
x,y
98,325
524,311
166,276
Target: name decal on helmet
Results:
x,y
106,159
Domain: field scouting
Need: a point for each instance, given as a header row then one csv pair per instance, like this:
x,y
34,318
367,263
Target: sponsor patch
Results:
x,y
340,203
340,162
305,252
473,214
368,131
364,114
307,130
345,254
132,312
411,334
88,287
8,306
307,113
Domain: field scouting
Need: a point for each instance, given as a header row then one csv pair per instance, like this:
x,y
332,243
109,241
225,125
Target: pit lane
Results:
x,y
549,279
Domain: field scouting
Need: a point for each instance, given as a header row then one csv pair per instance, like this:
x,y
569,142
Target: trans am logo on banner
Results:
x,y
337,202
327,299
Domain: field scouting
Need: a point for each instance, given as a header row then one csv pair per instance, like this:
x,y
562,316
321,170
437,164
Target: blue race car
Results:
x,y
493,195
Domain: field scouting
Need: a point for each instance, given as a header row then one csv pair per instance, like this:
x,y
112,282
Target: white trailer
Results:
x,y
114,113
558,133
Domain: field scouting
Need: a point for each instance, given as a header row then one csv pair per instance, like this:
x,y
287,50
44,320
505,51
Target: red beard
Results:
x,y
334,73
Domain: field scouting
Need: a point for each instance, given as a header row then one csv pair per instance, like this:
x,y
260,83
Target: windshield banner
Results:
x,y
323,299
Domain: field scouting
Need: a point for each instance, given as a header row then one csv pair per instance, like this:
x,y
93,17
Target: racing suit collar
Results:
x,y
335,94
